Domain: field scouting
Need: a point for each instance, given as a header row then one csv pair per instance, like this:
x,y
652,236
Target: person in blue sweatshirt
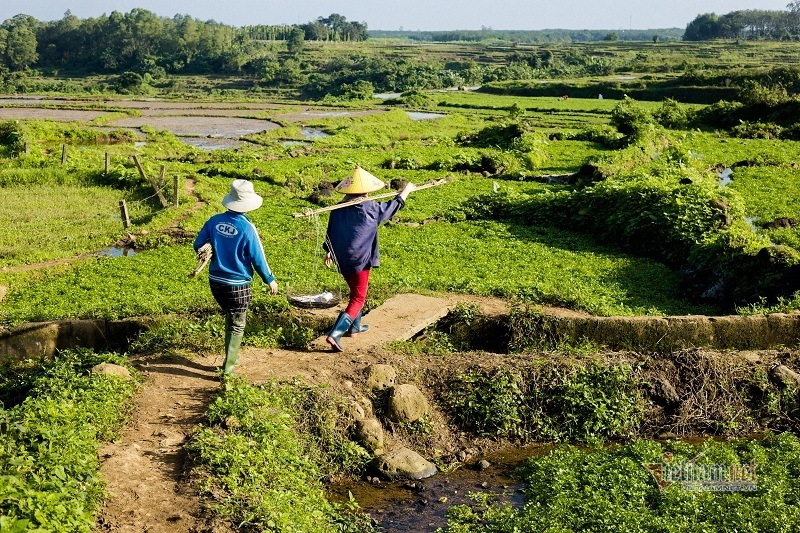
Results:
x,y
237,253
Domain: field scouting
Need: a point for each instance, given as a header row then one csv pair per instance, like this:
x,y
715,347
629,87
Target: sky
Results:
x,y
412,14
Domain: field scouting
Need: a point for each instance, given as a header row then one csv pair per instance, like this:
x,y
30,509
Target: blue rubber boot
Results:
x,y
343,323
356,327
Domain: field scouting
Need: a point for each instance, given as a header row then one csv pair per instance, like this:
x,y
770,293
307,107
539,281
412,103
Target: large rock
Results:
x,y
402,464
407,404
111,369
369,433
381,377
785,376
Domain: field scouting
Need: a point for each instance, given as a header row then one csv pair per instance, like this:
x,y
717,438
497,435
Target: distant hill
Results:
x,y
531,36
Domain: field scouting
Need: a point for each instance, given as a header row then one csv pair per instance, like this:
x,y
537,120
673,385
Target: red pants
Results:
x,y
358,283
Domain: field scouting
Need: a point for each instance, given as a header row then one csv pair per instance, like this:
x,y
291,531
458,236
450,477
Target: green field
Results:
x,y
607,206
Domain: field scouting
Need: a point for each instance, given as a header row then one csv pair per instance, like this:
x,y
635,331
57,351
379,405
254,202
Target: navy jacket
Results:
x,y
353,233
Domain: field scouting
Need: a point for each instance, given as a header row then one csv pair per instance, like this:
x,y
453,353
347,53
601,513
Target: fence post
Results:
x,y
108,163
63,154
161,198
123,211
27,149
175,197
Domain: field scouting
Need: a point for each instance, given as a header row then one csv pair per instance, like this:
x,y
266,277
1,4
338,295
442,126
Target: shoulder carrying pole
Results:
x,y
364,199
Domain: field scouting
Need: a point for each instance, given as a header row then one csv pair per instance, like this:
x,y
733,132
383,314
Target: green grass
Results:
x,y
265,454
49,443
770,187
53,221
556,266
610,490
431,249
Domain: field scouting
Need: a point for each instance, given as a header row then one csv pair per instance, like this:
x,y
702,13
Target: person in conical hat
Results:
x,y
236,253
359,182
352,244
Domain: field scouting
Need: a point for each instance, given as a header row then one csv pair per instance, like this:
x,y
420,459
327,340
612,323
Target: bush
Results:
x,y
631,120
11,136
655,216
758,130
671,114
358,90
601,134
585,404
500,136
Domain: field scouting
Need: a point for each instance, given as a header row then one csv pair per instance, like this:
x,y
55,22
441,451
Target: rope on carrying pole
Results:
x,y
313,295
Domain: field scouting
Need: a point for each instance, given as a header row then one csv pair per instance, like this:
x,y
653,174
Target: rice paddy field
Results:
x,y
593,206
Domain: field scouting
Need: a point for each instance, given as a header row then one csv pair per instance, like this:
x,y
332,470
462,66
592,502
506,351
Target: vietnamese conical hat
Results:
x,y
360,182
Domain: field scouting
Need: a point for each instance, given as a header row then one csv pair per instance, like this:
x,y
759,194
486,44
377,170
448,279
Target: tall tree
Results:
x,y
702,28
20,43
296,41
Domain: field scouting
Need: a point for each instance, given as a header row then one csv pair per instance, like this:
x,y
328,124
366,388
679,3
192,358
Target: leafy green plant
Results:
x,y
489,404
610,489
265,453
585,404
50,441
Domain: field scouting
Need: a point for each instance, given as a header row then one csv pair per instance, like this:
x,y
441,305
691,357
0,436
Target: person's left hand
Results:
x,y
273,287
328,260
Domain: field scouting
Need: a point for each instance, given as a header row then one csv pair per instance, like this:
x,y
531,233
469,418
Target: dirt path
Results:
x,y
399,318
145,470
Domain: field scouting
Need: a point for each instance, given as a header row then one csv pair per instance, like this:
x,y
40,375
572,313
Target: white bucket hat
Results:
x,y
242,197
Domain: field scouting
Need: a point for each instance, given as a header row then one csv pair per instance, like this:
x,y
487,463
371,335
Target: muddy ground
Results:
x,y
149,486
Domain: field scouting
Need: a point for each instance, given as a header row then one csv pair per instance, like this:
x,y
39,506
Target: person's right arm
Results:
x,y
386,210
203,237
408,189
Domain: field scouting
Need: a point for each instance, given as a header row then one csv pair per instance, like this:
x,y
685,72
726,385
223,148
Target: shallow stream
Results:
x,y
421,506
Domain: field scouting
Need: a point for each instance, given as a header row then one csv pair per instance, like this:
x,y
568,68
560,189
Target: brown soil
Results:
x,y
146,470
199,125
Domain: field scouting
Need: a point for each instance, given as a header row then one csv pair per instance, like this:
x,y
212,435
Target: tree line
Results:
x,y
141,41
747,24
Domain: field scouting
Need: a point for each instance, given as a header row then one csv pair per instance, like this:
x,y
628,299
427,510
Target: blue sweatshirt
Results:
x,y
353,233
237,249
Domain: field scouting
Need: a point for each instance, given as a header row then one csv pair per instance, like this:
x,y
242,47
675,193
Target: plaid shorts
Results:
x,y
232,298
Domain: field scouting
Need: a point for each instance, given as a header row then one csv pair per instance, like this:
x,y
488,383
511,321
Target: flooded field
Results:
x,y
200,125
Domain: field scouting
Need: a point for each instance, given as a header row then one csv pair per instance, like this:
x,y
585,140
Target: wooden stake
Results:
x,y
108,163
63,154
364,199
161,175
27,149
161,198
175,197
123,211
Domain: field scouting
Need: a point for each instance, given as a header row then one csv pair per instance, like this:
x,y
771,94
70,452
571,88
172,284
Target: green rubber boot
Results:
x,y
232,353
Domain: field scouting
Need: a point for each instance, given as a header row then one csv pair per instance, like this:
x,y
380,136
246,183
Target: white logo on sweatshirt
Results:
x,y
227,230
